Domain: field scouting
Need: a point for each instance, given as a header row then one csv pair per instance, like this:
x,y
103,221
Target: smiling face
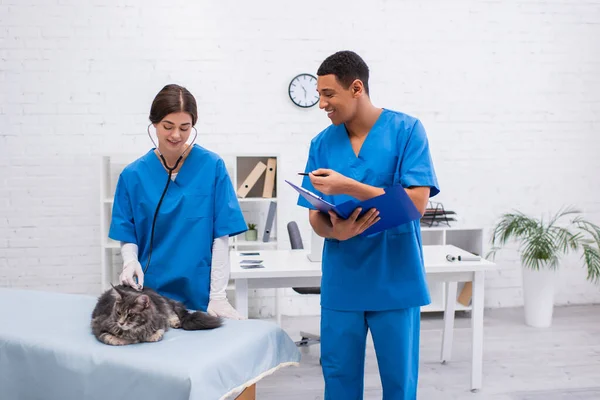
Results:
x,y
343,79
173,114
339,103
173,131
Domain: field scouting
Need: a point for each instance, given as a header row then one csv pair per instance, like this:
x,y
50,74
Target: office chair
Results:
x,y
296,242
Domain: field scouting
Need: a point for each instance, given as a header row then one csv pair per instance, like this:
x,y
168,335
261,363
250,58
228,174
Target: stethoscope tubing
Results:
x,y
164,162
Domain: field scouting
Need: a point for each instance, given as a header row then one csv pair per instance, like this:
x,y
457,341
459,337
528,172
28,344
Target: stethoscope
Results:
x,y
166,186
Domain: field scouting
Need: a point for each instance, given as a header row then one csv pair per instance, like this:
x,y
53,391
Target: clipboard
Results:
x,y
394,206
316,201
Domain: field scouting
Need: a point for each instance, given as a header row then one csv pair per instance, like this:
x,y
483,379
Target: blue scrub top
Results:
x,y
199,206
383,271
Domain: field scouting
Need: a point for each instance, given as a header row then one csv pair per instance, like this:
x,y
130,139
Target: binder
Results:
x,y
269,223
270,178
251,179
394,206
464,297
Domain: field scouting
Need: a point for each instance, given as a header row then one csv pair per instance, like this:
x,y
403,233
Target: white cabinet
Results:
x,y
469,239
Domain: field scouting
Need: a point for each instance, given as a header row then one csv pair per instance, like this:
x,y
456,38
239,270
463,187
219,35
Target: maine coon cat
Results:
x,y
125,316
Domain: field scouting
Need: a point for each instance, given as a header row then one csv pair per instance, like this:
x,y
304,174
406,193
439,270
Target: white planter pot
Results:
x,y
538,296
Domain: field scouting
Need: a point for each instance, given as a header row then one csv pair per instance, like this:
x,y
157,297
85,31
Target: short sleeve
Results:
x,y
416,167
122,225
311,165
228,218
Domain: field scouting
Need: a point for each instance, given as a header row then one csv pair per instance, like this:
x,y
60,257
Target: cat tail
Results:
x,y
199,320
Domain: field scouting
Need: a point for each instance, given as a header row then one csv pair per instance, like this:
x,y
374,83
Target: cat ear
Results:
x,y
115,293
143,301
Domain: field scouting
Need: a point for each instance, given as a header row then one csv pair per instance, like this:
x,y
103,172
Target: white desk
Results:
x,y
292,268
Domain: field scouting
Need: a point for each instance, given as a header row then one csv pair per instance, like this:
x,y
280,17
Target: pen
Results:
x,y
306,174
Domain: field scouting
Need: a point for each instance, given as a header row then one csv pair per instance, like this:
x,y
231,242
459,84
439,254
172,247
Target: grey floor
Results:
x,y
520,363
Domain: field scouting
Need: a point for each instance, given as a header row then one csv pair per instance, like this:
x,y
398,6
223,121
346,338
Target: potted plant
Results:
x,y
251,234
541,245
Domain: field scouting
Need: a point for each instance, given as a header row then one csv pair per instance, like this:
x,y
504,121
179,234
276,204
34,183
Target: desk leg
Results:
x,y
448,333
477,330
241,297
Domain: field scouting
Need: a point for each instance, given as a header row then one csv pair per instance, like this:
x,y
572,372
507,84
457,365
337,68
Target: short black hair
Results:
x,y
347,66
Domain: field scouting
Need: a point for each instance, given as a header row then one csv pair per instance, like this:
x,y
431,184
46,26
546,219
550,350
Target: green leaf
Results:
x,y
542,245
591,257
565,239
513,226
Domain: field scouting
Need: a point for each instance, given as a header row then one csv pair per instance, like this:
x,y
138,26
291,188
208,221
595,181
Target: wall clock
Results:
x,y
303,90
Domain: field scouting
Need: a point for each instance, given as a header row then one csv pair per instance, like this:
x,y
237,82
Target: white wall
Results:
x,y
509,93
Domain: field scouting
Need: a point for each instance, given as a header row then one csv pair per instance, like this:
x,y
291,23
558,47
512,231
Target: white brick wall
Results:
x,y
509,93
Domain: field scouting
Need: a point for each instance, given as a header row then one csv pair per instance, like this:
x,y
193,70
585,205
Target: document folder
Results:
x,y
269,223
269,178
394,206
251,179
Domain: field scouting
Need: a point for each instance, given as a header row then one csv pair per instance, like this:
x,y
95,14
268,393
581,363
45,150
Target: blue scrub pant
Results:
x,y
396,338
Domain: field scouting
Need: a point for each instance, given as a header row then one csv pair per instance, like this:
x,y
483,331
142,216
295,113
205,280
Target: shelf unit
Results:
x,y
254,207
469,239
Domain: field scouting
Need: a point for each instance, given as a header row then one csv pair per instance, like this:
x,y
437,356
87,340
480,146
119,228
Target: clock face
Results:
x,y
303,90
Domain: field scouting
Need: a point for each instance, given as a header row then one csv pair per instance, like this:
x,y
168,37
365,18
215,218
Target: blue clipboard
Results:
x,y
316,201
394,206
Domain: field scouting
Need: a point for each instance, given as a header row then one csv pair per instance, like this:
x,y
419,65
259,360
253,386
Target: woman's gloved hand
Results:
x,y
218,305
222,308
131,270
131,267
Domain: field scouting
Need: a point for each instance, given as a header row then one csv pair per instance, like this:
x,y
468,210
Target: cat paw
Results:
x,y
158,335
113,340
174,322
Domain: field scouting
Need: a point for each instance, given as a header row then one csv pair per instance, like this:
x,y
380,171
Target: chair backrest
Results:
x,y
295,237
296,242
